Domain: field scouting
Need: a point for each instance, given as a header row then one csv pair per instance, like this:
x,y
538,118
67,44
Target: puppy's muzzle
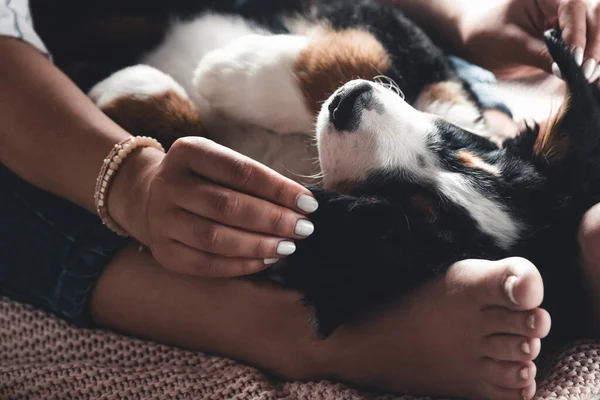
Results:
x,y
347,105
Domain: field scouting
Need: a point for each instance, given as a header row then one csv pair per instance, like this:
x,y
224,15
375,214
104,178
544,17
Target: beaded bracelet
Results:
x,y
110,166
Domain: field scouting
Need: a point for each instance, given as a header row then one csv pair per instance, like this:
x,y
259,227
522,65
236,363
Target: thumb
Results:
x,y
534,52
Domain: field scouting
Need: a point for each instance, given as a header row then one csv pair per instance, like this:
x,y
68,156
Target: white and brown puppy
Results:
x,y
408,187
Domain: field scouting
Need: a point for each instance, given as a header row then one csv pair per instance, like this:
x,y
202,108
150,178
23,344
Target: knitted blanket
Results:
x,y
41,357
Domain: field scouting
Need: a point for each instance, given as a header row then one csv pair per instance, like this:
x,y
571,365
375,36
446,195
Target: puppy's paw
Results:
x,y
147,102
251,80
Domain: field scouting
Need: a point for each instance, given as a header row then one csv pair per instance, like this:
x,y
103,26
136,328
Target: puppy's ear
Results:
x,y
346,263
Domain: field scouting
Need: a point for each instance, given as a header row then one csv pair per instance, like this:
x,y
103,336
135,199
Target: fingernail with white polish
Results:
x,y
596,74
524,374
509,287
556,71
307,204
271,261
525,348
578,56
588,68
304,228
286,248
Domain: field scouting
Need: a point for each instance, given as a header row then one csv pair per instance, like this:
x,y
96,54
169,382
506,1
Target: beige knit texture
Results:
x,y
41,357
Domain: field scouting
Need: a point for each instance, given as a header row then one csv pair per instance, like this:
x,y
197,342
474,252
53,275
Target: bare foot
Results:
x,y
589,241
474,333
459,336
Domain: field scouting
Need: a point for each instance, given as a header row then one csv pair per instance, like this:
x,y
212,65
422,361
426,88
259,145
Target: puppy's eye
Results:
x,y
389,84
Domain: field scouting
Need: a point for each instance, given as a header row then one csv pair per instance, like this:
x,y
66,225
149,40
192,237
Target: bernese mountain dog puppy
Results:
x,y
411,184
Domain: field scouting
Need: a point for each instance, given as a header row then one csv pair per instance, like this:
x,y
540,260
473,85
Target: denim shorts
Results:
x,y
52,252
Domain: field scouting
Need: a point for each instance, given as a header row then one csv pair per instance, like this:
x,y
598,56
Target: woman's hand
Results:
x,y
205,210
503,34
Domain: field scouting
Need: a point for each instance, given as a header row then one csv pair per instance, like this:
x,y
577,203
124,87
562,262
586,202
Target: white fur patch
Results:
x,y
139,81
251,80
490,215
188,42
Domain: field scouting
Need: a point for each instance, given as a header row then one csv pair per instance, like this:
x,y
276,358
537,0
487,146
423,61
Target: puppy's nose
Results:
x,y
347,105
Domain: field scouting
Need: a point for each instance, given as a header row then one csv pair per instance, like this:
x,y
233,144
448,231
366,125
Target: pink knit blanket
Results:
x,y
41,357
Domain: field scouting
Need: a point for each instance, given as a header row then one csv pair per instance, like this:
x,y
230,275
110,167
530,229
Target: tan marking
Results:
x,y
424,207
473,161
550,143
447,92
165,116
336,58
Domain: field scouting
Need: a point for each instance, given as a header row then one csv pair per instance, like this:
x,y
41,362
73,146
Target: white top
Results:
x,y
15,21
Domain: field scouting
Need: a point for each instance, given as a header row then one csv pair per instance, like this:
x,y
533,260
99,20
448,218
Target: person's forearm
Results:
x,y
440,18
51,133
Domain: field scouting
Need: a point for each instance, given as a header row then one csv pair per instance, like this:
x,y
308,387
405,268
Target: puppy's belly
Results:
x,y
294,156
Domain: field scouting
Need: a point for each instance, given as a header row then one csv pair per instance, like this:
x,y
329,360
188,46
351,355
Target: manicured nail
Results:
x,y
524,395
596,74
578,56
531,322
509,286
271,261
304,228
588,68
524,373
286,248
525,348
556,71
307,204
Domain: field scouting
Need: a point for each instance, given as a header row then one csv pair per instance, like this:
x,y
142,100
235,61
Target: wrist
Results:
x,y
128,196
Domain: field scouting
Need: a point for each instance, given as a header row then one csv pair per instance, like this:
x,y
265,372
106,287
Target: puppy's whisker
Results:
x,y
389,84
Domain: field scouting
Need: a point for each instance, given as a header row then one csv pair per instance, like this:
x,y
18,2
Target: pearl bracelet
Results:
x,y
110,166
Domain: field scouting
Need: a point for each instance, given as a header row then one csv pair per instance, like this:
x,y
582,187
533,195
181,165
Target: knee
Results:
x,y
589,234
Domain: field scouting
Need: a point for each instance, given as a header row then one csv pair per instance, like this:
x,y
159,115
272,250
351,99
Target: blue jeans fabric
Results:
x,y
52,252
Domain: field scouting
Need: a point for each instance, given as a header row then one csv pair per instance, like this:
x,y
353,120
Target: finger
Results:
x,y
572,18
592,51
240,210
185,260
236,171
212,237
532,51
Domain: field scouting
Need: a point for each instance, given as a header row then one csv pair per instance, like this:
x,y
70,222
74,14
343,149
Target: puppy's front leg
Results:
x,y
252,81
147,102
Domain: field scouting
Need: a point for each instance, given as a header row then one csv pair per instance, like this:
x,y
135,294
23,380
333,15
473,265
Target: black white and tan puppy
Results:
x,y
410,182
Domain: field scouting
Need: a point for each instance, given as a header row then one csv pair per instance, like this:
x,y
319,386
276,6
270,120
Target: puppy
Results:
x,y
410,182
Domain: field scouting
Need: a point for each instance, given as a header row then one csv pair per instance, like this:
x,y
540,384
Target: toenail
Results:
x,y
531,322
526,348
524,374
509,286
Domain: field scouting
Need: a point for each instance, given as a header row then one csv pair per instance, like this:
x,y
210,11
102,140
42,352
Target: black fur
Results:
x,y
374,245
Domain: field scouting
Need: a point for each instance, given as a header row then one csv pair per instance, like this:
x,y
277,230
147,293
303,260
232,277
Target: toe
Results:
x,y
531,324
513,283
507,375
510,348
497,393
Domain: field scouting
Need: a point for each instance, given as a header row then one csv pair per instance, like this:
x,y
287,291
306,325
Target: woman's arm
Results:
x,y
505,35
440,18
225,216
51,134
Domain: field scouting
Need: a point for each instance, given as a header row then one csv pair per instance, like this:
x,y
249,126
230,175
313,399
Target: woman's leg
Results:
x,y
448,339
